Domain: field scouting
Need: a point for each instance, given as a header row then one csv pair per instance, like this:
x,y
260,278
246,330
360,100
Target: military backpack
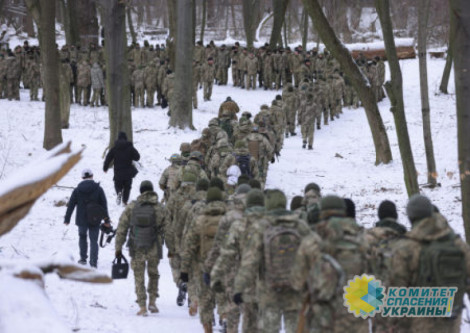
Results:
x,y
280,248
209,230
243,162
226,125
442,263
143,229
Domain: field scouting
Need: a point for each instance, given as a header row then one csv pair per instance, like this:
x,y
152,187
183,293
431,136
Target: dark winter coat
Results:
x,y
123,153
87,190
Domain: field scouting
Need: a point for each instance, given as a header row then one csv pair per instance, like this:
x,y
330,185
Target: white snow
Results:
x,y
112,308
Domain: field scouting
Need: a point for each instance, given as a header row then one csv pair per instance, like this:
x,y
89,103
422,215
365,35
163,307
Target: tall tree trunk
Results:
x,y
172,17
50,61
395,92
131,25
304,29
87,22
460,10
250,13
450,57
279,11
383,152
203,20
117,73
423,16
29,26
72,36
234,22
181,114
211,16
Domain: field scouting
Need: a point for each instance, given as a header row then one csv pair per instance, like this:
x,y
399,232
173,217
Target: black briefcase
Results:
x,y
120,268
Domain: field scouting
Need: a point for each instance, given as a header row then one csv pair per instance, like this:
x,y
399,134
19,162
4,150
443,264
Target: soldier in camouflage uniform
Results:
x,y
279,121
324,97
276,296
192,167
228,262
235,67
223,149
242,130
345,249
236,206
168,88
198,242
308,112
208,76
251,68
410,263
290,104
203,143
167,181
268,68
83,81
197,73
338,91
161,79
380,77
150,81
97,83
223,64
13,73
145,247
231,106
261,150
34,75
241,151
139,91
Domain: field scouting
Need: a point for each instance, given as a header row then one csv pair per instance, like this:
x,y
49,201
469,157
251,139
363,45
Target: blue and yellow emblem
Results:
x,y
363,296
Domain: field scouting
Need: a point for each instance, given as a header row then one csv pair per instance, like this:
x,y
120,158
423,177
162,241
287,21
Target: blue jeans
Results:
x,y
93,233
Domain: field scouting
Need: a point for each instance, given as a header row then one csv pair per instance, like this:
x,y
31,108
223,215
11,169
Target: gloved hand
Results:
x,y
237,299
207,278
118,253
184,277
218,287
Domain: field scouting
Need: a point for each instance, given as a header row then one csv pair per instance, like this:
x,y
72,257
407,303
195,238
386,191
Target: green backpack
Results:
x,y
442,263
226,125
143,230
280,248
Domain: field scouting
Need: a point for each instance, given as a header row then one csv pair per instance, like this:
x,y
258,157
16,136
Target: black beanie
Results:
x,y
243,179
202,185
296,202
254,183
387,209
122,136
350,208
217,182
145,186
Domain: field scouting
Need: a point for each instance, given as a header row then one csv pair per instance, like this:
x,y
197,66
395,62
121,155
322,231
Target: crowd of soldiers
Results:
x,y
237,249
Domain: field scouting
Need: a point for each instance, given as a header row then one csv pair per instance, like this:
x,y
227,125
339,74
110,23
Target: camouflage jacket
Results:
x,y
83,74
97,80
251,65
150,76
308,112
208,73
232,160
125,221
195,238
168,178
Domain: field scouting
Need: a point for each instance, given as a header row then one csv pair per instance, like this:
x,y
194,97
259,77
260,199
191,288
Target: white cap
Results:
x,y
87,173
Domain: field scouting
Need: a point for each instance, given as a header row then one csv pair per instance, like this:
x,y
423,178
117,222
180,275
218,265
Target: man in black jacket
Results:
x,y
123,153
88,191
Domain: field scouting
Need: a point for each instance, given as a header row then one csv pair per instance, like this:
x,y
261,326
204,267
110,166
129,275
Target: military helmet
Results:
x,y
185,147
222,143
206,133
296,202
240,144
332,205
264,107
202,185
214,194
145,186
243,189
217,182
255,198
275,199
189,177
196,155
418,208
175,158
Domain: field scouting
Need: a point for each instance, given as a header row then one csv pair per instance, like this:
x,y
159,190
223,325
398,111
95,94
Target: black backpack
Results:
x,y
243,162
95,213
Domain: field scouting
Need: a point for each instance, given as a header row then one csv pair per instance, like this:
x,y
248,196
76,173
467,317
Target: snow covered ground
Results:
x,y
112,308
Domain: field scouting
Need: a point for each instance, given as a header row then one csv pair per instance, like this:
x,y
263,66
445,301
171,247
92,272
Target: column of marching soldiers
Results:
x,y
237,248
82,74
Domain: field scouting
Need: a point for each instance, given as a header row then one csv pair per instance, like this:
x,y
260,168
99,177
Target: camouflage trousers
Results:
x,y
140,260
150,96
195,95
13,91
337,108
222,75
235,77
208,90
206,302
2,88
271,320
297,79
96,97
139,97
307,132
82,95
325,115
250,317
291,120
268,79
194,283
33,91
250,81
175,263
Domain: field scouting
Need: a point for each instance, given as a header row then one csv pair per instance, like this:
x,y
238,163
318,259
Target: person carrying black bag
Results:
x,y
92,208
122,155
144,220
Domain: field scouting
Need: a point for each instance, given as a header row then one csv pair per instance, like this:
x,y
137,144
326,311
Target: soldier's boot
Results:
x,y
143,311
224,326
193,309
207,328
183,289
119,198
293,134
153,307
287,134
310,147
318,126
304,144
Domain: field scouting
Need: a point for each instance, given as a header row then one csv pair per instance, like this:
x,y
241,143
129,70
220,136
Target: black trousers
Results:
x,y
123,186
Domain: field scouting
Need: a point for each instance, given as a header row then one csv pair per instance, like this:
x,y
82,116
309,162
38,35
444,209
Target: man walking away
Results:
x,y
90,200
144,219
122,155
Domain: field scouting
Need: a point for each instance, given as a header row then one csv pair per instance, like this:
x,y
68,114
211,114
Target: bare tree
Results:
x,y
383,152
251,10
423,16
181,114
460,11
450,57
43,12
72,36
130,24
394,89
117,73
279,11
203,19
87,19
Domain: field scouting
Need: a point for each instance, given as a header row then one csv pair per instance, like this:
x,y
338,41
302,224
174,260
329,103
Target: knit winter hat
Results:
x,y
418,208
255,198
87,173
214,194
202,185
217,182
254,183
243,189
145,186
333,202
312,186
122,136
296,202
387,209
189,177
350,208
275,199
243,179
